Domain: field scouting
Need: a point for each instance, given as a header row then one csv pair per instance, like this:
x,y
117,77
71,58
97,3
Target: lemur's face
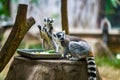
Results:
x,y
45,29
60,35
48,21
42,29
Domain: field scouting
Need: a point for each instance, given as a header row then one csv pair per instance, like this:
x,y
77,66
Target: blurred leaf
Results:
x,y
55,15
109,8
1,6
15,1
35,1
114,3
4,8
37,46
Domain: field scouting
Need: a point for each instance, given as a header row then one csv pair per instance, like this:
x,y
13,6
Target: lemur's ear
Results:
x,y
45,19
63,31
39,27
53,20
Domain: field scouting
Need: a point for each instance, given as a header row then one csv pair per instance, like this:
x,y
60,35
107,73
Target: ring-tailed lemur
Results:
x,y
46,33
49,26
78,49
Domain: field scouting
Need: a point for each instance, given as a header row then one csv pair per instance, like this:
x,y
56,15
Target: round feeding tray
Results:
x,y
38,54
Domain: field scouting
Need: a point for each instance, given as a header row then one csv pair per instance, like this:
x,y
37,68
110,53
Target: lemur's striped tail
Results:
x,y
91,68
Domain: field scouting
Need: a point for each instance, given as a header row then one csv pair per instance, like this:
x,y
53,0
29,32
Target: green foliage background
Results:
x,y
4,8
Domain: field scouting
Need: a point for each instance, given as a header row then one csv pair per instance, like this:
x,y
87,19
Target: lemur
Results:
x,y
46,33
78,49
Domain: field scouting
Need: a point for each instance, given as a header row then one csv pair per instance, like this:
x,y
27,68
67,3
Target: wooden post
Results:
x,y
64,18
49,69
19,29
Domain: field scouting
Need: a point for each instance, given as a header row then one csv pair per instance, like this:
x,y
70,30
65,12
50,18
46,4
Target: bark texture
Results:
x,y
20,28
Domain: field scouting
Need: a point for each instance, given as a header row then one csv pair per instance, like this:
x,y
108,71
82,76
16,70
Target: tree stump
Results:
x,y
57,69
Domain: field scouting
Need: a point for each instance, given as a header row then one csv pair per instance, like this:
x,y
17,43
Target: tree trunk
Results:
x,y
28,69
20,28
64,18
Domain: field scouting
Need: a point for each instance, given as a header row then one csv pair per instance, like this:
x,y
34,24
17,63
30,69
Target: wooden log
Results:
x,y
21,26
28,69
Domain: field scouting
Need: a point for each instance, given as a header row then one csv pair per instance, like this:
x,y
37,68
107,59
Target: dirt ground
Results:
x,y
109,73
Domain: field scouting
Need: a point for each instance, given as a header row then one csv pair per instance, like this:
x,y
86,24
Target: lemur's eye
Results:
x,y
45,20
63,34
48,20
45,29
51,21
59,36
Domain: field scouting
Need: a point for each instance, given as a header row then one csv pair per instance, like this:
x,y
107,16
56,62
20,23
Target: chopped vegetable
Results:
x,y
45,52
50,51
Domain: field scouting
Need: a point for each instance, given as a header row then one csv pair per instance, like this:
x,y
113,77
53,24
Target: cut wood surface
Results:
x,y
57,69
20,28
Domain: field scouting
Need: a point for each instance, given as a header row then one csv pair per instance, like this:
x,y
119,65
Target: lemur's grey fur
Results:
x,y
78,49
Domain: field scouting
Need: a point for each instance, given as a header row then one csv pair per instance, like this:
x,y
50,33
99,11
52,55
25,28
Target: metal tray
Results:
x,y
28,53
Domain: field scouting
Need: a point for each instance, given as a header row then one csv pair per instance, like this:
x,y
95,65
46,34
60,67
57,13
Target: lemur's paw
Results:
x,y
63,57
73,59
